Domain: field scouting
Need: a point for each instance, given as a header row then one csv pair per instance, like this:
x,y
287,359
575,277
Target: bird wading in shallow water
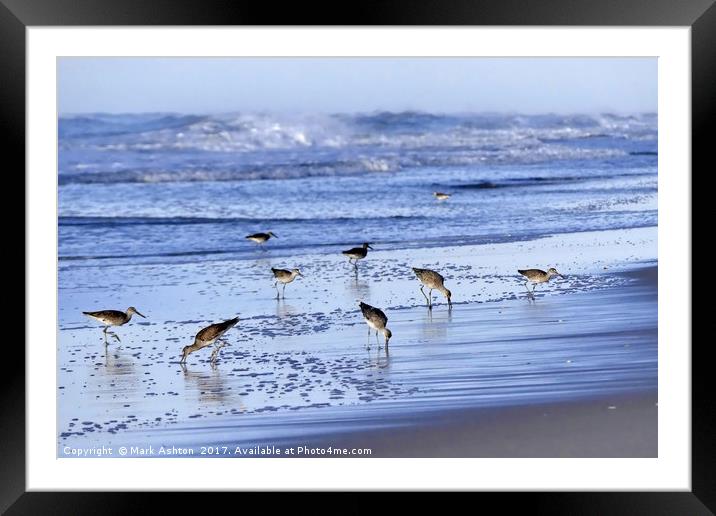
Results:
x,y
208,336
357,253
536,276
261,238
284,276
434,281
440,196
376,320
113,318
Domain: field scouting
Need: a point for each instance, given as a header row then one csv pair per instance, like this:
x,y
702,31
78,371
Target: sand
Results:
x,y
497,376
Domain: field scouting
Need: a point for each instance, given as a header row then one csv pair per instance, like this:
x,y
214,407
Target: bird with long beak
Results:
x,y
357,253
284,276
432,280
207,337
376,320
536,276
113,318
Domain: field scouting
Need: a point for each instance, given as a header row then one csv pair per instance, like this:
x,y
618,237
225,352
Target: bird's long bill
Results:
x,y
140,315
370,247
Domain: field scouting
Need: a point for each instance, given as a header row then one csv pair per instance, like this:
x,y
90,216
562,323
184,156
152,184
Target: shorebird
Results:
x,y
357,253
284,276
536,276
261,238
207,337
113,318
440,196
432,280
376,320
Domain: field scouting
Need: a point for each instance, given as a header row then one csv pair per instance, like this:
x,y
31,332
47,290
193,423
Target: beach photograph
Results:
x,y
357,257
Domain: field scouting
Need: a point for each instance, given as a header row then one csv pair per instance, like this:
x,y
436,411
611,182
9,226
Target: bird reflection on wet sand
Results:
x,y
209,386
435,324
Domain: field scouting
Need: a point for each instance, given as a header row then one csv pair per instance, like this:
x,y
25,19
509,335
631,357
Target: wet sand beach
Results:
x,y
571,373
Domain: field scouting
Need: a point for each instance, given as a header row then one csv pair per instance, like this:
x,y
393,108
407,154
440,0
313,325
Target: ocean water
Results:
x,y
159,188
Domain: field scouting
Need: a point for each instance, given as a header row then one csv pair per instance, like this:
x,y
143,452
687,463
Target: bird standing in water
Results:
x,y
432,280
440,196
376,320
207,337
113,318
357,253
284,276
261,238
536,276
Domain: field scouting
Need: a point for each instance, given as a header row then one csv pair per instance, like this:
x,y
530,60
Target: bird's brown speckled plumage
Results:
x,y
113,318
377,320
207,336
214,331
432,280
284,276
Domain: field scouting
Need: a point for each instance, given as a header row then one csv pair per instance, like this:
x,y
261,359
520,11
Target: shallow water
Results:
x,y
592,333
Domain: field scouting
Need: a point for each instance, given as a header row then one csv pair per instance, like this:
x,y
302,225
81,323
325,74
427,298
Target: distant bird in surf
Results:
x,y
357,253
208,336
261,238
440,196
113,318
284,276
432,280
536,276
376,320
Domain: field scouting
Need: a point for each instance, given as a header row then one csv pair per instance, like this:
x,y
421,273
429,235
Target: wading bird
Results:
x,y
376,320
261,238
440,196
284,276
113,318
357,253
432,280
207,337
536,276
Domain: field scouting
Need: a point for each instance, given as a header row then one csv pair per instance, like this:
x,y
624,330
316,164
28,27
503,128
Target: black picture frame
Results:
x,y
17,15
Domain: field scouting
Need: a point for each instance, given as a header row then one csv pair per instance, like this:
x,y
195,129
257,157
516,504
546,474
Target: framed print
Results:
x,y
441,249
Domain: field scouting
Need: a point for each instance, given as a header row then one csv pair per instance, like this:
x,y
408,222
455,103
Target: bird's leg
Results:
x,y
276,287
217,348
107,332
367,345
426,297
284,291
